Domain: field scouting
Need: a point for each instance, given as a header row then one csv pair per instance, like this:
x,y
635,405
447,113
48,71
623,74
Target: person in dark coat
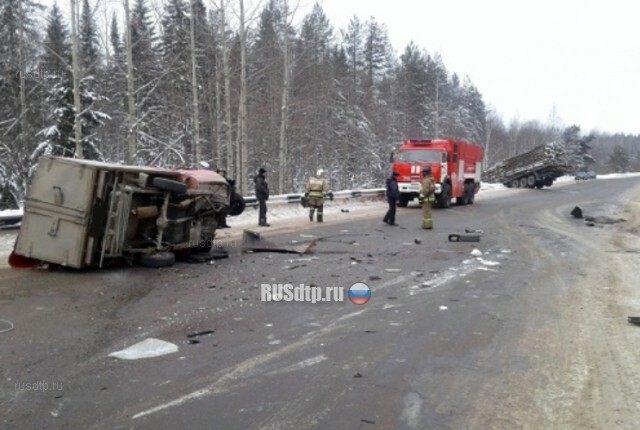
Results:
x,y
262,194
393,195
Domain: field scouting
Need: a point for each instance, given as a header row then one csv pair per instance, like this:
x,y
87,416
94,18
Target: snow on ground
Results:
x,y
288,211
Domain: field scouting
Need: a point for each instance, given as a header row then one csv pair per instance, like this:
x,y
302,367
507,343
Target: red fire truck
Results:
x,y
456,166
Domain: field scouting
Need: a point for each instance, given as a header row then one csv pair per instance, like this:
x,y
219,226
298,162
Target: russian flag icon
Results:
x,y
359,293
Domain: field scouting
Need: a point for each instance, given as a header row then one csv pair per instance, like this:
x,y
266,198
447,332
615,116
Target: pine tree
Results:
x,y
89,51
619,159
20,110
57,138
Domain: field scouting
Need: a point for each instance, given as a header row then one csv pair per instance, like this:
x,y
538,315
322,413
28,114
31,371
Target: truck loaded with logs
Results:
x,y
534,169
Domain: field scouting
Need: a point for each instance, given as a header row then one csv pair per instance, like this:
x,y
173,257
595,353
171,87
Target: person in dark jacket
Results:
x,y
393,195
262,194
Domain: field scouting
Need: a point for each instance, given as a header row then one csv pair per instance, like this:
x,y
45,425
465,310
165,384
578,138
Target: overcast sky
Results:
x,y
581,56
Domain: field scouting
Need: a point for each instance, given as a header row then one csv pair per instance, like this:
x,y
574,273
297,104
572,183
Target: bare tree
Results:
x,y
194,86
242,147
75,65
131,101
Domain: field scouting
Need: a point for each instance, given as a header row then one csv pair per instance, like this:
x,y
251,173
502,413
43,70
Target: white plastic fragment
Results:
x,y
148,348
476,252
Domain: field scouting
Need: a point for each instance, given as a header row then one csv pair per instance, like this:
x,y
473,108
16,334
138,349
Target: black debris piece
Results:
x,y
368,421
200,333
634,320
358,375
464,238
577,212
417,241
253,242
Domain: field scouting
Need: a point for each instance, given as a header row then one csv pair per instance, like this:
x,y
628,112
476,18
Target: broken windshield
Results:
x,y
420,155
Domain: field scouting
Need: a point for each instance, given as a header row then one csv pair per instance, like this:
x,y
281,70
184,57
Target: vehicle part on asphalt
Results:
x,y
252,241
200,333
205,257
148,348
634,320
464,238
577,212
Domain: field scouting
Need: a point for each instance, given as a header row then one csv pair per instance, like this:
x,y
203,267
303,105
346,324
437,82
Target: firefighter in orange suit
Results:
x,y
427,197
317,189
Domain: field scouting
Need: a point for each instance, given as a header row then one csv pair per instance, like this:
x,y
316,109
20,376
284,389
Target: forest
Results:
x,y
240,86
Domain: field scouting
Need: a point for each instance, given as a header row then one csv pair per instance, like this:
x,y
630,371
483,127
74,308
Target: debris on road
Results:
x,y
374,278
603,220
576,212
252,241
148,348
358,375
200,333
444,308
468,230
368,421
392,270
206,257
476,252
417,241
634,320
464,238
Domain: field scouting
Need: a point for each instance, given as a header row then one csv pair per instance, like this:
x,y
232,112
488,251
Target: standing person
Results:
x,y
317,188
262,194
393,195
427,197
222,215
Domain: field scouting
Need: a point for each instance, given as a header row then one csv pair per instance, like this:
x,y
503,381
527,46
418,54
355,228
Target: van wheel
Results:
x,y
237,204
158,259
169,185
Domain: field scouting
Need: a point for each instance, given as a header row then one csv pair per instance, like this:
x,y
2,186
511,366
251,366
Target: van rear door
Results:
x,y
56,216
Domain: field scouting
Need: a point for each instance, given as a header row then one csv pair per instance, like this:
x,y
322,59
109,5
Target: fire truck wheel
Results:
x,y
462,201
158,259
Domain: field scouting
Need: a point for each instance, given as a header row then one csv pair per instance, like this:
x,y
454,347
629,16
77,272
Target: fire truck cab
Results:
x,y
456,166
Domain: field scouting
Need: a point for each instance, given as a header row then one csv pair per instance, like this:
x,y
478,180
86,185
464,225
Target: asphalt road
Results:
x,y
530,334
